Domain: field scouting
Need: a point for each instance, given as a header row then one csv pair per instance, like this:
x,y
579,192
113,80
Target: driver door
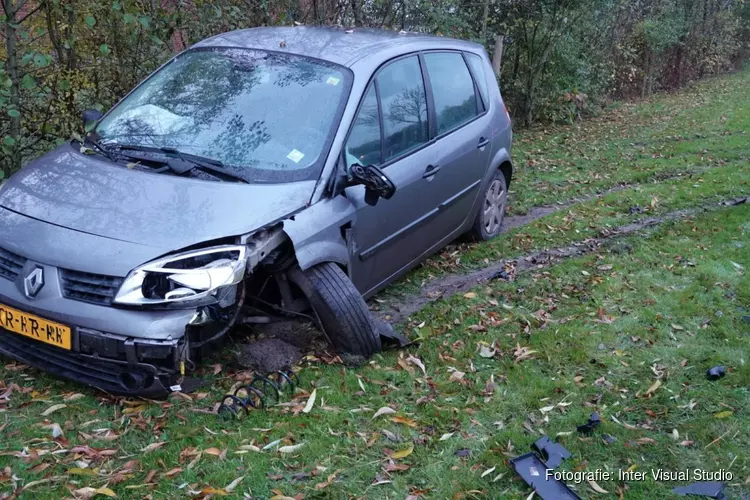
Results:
x,y
392,131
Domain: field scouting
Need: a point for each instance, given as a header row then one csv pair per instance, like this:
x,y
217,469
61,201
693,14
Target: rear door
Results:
x,y
463,137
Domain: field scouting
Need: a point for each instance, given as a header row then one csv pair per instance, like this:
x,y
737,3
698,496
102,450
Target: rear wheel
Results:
x,y
489,219
340,308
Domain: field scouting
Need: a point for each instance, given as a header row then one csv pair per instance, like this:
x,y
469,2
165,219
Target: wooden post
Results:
x,y
497,55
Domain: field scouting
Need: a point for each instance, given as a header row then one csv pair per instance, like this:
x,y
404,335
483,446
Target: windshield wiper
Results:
x,y
88,140
186,162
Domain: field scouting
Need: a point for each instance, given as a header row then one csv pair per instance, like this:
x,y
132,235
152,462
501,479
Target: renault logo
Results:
x,y
33,282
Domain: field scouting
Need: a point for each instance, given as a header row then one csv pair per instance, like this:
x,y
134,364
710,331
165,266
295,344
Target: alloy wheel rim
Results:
x,y
494,205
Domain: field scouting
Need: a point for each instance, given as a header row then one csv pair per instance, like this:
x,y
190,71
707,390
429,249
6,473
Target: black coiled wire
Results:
x,y
261,392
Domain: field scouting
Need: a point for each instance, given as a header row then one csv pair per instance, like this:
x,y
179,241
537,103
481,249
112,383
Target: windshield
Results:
x,y
267,114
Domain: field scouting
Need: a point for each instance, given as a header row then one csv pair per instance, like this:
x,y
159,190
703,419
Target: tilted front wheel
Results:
x,y
342,311
489,219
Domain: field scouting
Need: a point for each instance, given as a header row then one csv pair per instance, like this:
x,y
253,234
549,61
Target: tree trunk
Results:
x,y
11,66
357,12
497,54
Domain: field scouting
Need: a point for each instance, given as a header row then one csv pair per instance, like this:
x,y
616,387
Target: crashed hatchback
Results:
x,y
289,172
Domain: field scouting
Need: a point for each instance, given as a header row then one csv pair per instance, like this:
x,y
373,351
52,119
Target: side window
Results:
x,y
477,66
404,106
452,89
363,145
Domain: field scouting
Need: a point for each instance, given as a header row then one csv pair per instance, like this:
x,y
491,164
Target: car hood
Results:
x,y
89,194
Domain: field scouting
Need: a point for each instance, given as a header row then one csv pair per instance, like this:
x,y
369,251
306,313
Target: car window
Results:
x,y
477,66
452,89
404,106
363,145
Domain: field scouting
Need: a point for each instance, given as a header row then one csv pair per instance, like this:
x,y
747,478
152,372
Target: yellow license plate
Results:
x,y
35,327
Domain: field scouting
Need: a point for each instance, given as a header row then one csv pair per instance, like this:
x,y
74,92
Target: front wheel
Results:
x,y
340,308
489,219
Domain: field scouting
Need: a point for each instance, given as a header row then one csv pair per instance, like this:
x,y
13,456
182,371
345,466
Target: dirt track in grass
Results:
x,y
452,284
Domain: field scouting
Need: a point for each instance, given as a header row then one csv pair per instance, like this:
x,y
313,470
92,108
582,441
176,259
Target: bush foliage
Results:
x,y
560,57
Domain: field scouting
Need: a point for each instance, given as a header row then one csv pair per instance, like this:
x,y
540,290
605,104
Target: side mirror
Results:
x,y
91,116
377,184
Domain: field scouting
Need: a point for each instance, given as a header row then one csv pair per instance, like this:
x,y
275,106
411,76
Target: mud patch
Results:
x,y
452,284
268,355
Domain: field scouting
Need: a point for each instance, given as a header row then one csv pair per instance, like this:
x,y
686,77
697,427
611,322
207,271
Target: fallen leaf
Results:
x,y
106,492
597,488
653,387
231,486
676,327
52,409
470,295
403,420
153,446
446,436
402,453
291,449
416,361
310,402
173,472
486,352
456,376
213,451
724,414
488,472
386,410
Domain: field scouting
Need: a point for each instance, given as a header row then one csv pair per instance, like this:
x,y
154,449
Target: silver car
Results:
x,y
276,172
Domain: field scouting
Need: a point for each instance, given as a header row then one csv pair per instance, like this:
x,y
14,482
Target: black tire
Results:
x,y
482,229
340,308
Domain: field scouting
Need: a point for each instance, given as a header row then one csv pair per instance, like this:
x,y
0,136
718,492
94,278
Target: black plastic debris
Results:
x,y
592,424
716,373
389,338
710,489
609,439
534,472
552,453
463,452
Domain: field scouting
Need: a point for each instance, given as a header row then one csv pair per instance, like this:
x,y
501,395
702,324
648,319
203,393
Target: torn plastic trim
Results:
x,y
536,474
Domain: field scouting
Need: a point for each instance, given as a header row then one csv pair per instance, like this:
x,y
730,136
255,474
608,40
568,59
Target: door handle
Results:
x,y
482,142
430,171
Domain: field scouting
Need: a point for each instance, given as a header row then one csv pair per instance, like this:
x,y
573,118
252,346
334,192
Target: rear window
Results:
x,y
477,66
452,90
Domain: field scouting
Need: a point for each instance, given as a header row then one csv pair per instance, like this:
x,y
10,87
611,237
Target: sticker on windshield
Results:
x,y
332,80
295,156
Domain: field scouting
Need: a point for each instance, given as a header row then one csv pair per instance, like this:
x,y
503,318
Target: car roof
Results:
x,y
340,45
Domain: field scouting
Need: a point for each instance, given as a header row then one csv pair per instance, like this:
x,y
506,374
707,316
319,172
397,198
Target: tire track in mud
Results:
x,y
452,284
514,221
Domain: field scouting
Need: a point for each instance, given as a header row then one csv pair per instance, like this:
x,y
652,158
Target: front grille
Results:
x,y
87,287
10,264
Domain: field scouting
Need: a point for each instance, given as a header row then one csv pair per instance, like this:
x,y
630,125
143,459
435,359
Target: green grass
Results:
x,y
668,304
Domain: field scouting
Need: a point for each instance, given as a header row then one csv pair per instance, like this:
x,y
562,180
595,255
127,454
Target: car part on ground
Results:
x,y
710,489
341,311
262,392
552,453
489,218
716,373
533,471
592,423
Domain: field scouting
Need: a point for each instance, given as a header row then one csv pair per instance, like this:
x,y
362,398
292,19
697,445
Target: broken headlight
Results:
x,y
189,279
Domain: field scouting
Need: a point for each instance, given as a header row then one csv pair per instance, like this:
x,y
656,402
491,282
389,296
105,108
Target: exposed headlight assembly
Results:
x,y
187,279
